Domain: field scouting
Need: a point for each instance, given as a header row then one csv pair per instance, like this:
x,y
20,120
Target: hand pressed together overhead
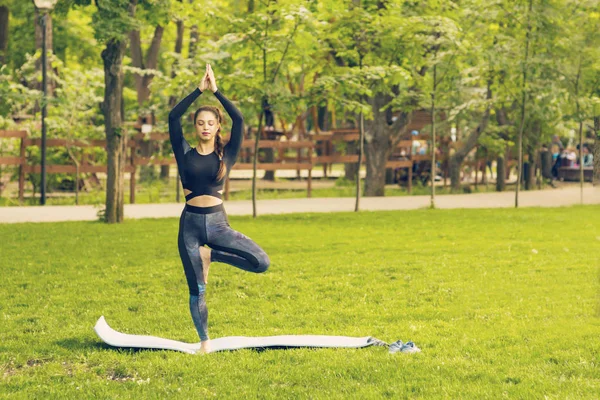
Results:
x,y
208,80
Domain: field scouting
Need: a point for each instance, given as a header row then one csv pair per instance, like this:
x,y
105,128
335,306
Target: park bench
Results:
x,y
572,174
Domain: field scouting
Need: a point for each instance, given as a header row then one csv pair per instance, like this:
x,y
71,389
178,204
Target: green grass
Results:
x,y
503,303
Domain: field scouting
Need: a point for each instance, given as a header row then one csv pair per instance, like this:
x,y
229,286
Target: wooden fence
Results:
x,y
304,159
19,161
134,160
326,144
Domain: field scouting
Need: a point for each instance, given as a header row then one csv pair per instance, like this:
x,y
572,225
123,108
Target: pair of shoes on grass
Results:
x,y
408,347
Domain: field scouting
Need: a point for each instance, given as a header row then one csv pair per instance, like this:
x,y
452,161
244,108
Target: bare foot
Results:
x,y
205,257
204,347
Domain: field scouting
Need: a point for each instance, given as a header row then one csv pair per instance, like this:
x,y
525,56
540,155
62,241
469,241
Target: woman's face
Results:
x,y
207,126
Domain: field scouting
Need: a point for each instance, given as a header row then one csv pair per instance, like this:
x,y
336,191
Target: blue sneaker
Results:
x,y
396,346
410,347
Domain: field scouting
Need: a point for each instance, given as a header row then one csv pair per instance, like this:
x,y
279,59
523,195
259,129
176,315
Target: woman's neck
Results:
x,y
206,148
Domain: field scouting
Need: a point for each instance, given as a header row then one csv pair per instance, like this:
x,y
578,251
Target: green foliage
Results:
x,y
16,97
74,109
271,50
311,53
112,20
73,39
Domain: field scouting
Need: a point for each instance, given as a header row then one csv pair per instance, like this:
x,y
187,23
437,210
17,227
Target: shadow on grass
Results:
x,y
76,344
79,344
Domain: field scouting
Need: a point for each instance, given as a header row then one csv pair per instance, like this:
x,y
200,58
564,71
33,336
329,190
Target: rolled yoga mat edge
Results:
x,y
118,339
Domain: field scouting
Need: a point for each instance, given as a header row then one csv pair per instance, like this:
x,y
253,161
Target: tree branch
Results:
x,y
474,136
135,44
152,54
260,46
287,46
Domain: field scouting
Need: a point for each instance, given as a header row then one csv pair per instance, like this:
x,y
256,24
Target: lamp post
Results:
x,y
45,6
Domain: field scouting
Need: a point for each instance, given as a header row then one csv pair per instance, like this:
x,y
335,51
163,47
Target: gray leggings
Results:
x,y
199,226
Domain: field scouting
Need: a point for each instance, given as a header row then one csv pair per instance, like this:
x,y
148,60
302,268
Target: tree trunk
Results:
x,y
458,157
351,169
4,17
501,170
377,147
528,172
193,39
178,48
596,179
254,162
269,158
268,152
377,152
164,169
546,164
142,83
164,172
380,138
433,141
523,101
361,151
454,164
322,118
500,174
112,56
581,176
151,62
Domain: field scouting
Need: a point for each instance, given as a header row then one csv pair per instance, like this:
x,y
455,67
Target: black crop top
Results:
x,y
199,172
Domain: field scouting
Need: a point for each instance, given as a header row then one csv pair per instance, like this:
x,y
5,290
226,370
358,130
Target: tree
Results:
x,y
4,18
380,81
74,108
145,67
112,22
523,100
271,30
193,38
596,178
440,36
473,76
179,22
580,71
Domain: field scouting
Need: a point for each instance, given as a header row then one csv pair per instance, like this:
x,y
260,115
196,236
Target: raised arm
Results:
x,y
178,142
235,141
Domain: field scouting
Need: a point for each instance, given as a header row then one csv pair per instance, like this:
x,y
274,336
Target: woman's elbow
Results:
x,y
240,119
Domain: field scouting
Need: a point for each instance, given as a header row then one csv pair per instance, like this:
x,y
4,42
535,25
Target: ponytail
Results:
x,y
219,149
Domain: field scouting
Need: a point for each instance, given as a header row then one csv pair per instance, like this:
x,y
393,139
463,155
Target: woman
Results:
x,y
203,170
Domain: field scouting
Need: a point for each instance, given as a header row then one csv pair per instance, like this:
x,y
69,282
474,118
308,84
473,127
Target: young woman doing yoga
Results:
x,y
203,170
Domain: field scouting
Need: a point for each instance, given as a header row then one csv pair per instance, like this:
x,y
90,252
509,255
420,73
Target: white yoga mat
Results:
x,y
118,339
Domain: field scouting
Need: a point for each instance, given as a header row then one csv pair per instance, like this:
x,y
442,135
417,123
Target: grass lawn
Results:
x,y
503,303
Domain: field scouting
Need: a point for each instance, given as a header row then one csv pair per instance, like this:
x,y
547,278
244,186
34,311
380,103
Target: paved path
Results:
x,y
546,198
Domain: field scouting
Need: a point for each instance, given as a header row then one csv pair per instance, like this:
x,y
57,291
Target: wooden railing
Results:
x,y
304,159
134,160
